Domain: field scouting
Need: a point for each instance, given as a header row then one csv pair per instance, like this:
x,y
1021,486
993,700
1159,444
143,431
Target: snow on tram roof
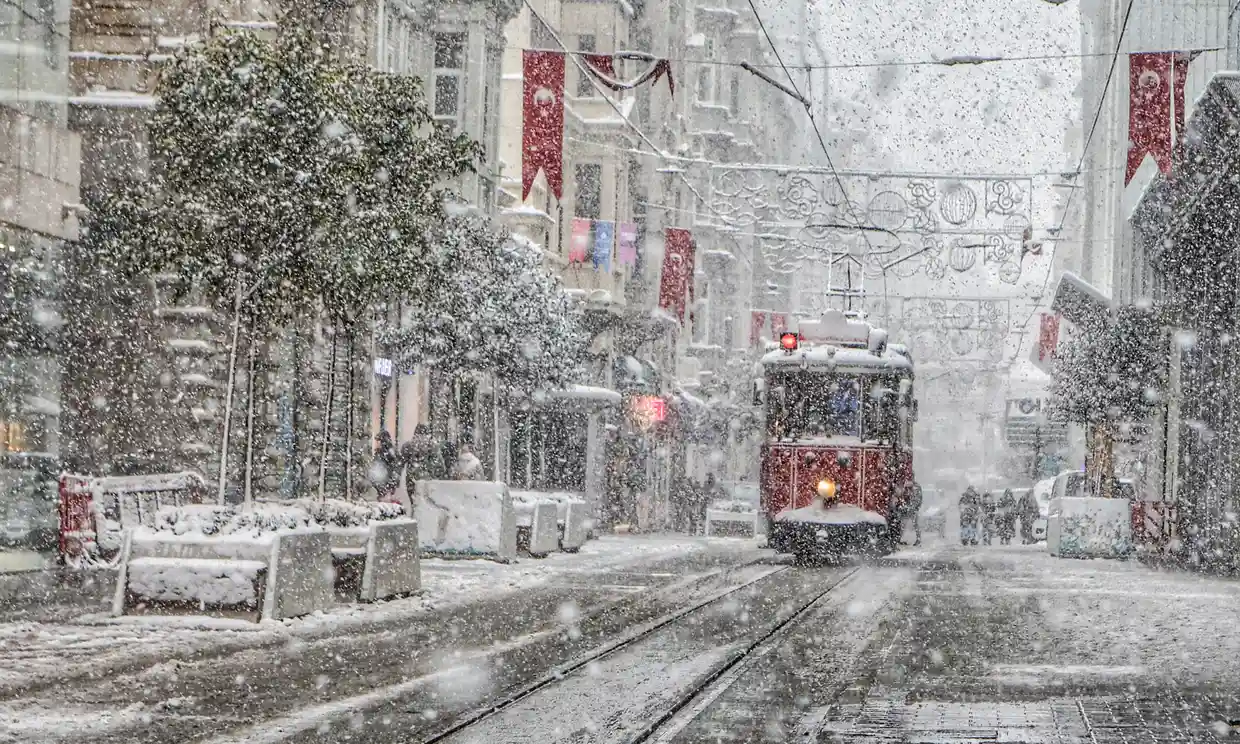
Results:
x,y
839,358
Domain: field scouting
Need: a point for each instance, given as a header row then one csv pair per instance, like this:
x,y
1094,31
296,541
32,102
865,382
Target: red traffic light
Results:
x,y
788,341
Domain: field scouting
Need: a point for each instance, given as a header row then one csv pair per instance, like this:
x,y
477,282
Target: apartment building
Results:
x,y
39,209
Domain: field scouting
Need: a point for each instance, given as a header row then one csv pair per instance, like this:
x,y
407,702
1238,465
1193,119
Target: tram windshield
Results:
x,y
814,405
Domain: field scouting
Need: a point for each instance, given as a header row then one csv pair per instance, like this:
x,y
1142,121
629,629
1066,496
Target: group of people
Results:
x,y
982,517
422,458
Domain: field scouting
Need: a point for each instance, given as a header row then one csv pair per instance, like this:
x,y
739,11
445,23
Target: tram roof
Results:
x,y
840,359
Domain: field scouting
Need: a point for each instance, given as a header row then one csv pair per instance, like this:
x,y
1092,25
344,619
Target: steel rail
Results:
x,y
606,649
766,641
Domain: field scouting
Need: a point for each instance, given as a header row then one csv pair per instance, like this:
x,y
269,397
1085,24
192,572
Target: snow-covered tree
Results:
x,y
1109,372
283,180
484,303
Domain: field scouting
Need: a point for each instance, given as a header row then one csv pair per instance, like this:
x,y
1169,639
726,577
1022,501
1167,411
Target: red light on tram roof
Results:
x,y
788,341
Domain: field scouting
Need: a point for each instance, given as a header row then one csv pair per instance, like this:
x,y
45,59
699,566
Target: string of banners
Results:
x,y
542,106
593,240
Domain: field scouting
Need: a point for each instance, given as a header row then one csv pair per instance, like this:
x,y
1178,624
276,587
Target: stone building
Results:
x,y
39,210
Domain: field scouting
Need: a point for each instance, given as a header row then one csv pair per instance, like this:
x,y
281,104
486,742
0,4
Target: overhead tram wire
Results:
x,y
950,61
1063,219
809,111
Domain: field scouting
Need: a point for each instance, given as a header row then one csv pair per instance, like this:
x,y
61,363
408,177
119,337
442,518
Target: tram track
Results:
x,y
665,724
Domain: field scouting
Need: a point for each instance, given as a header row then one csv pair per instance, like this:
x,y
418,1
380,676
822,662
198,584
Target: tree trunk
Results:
x,y
1104,459
348,440
327,420
228,395
249,422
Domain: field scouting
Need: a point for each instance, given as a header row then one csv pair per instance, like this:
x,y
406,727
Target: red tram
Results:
x,y
838,455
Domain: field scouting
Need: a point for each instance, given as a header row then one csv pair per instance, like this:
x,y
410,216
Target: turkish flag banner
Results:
x,y
542,131
677,277
1150,84
1048,338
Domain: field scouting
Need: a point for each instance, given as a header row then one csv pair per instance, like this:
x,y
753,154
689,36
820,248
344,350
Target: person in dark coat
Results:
x,y
970,514
1007,517
1027,509
421,458
386,474
989,514
912,509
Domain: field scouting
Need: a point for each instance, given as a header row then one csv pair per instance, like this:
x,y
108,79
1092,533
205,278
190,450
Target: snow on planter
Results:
x,y
1090,528
466,518
342,513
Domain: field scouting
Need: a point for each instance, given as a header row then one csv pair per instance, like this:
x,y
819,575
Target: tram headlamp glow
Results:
x,y
826,490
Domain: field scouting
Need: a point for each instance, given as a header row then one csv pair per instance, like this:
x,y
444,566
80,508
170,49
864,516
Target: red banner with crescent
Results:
x,y
677,279
1156,115
1048,339
542,132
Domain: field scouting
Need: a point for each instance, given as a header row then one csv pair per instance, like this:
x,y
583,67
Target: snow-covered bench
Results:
x,y
286,575
465,519
570,526
269,562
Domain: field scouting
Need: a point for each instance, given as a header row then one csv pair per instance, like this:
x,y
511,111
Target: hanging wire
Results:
x,y
958,60
809,111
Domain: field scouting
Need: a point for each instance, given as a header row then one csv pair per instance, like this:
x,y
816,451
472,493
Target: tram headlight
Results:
x,y
826,490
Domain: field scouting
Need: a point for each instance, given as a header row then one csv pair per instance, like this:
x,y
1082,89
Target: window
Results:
x,y
701,319
708,74
588,185
449,77
541,36
734,95
585,88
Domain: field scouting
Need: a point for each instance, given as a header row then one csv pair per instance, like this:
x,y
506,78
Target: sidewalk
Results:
x,y
34,655
1010,641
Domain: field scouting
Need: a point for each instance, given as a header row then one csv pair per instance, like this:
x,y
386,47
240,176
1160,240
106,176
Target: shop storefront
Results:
x,y
1189,230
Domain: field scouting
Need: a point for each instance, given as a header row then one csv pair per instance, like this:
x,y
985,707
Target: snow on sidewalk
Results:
x,y
1107,614
33,654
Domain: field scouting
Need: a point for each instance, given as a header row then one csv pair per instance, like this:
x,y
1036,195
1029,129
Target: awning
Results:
x,y
590,393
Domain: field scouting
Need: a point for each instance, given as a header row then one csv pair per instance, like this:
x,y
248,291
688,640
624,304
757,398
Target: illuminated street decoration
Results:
x,y
941,224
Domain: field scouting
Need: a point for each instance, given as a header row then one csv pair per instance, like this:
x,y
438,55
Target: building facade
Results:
x,y
39,208
1157,240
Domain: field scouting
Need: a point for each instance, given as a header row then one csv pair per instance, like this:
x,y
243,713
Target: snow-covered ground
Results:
x,y
35,653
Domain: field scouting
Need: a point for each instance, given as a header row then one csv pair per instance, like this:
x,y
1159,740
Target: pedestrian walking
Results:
x,y
711,492
989,509
681,505
970,513
1007,517
420,457
913,507
1027,509
385,468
